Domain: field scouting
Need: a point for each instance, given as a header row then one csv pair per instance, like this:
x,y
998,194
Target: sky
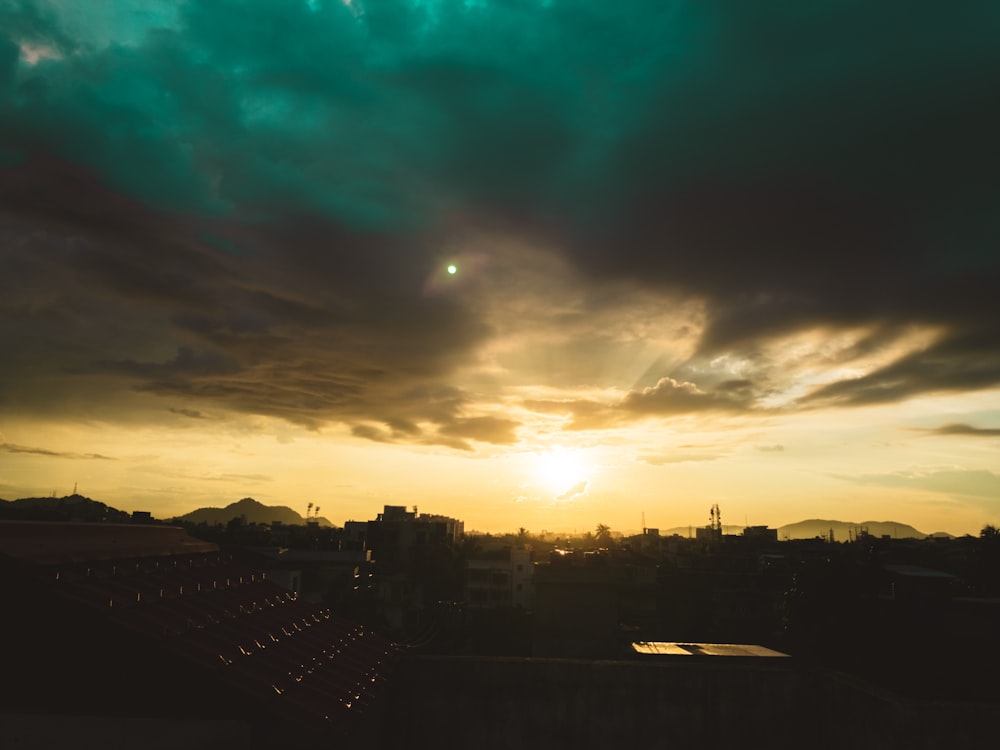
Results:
x,y
527,263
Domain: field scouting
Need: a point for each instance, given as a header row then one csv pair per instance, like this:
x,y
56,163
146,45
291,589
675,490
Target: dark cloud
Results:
x,y
957,363
189,413
372,432
821,168
298,336
241,206
454,432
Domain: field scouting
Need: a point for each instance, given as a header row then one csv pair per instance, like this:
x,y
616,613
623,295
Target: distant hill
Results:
x,y
814,527
69,508
252,510
842,530
941,535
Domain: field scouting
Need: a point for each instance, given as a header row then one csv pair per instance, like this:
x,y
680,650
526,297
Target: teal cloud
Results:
x,y
269,184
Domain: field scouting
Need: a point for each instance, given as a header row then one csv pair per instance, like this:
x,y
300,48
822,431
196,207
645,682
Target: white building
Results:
x,y
501,580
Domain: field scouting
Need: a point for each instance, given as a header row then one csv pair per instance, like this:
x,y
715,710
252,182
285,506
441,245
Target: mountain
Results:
x,y
816,527
843,530
69,508
252,510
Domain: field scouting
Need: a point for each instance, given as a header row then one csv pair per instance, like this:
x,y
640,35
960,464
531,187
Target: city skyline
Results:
x,y
527,264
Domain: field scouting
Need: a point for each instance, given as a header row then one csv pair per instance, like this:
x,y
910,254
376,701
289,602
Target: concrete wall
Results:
x,y
42,732
446,702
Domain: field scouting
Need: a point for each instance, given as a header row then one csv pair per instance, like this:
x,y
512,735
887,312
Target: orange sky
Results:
x,y
704,252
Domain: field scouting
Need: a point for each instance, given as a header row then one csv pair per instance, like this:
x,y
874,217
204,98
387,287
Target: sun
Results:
x,y
452,269
560,469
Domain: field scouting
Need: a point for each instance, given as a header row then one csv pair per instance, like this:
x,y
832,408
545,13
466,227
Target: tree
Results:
x,y
987,561
603,534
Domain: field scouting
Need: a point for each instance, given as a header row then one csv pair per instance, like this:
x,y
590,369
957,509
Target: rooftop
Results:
x,y
669,648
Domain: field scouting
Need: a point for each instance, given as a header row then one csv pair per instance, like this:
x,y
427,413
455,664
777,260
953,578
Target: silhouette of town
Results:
x,y
212,624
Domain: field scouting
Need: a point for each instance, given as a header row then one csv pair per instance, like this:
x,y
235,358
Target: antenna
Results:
x,y
644,522
74,488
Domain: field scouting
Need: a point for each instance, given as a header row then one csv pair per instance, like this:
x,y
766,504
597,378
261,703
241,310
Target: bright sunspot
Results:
x,y
560,469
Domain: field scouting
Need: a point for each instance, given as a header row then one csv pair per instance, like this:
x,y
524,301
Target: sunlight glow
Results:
x,y
560,469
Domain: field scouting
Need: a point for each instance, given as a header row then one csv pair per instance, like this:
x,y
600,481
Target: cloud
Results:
x,y
678,458
12,448
958,363
483,429
965,429
225,477
371,432
668,398
245,206
577,490
777,448
189,413
452,431
969,482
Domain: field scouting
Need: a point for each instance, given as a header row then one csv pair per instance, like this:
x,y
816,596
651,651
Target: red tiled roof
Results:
x,y
45,543
292,658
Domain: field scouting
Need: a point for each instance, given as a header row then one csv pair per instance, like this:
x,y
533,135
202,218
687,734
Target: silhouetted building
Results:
x,y
760,534
699,698
143,623
591,605
915,582
396,531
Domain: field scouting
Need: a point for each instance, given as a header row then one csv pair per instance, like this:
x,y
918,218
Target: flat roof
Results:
x,y
918,571
673,648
